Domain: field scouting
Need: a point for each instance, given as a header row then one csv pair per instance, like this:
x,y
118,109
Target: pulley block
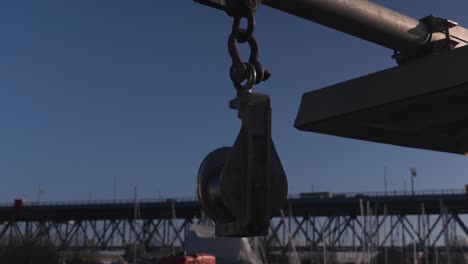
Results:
x,y
243,186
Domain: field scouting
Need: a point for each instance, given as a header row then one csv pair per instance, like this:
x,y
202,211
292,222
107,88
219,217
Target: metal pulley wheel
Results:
x,y
208,185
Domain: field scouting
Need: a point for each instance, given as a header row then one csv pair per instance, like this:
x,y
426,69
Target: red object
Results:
x,y
19,203
194,259
205,259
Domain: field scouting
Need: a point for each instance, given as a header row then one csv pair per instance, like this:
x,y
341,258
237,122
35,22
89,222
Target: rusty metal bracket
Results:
x,y
439,39
441,25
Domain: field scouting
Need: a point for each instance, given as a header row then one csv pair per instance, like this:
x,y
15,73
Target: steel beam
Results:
x,y
368,21
362,19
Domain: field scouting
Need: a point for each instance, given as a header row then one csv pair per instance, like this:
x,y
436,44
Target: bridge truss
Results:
x,y
358,223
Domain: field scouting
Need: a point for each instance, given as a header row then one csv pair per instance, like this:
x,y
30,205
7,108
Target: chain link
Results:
x,y
245,75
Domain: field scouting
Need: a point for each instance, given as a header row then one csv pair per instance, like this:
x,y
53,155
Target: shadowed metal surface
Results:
x,y
420,105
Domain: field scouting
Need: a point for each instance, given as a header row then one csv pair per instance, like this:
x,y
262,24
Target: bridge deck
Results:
x,y
337,205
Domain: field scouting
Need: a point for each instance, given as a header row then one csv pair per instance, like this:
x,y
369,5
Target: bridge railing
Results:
x,y
409,192
192,199
393,193
96,202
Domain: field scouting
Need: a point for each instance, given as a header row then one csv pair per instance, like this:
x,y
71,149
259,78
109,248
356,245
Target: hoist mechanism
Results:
x,y
420,103
241,187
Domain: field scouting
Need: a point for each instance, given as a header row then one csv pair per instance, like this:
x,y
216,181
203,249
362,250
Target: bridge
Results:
x,y
433,220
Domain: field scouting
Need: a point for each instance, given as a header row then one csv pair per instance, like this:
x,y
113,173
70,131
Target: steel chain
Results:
x,y
245,75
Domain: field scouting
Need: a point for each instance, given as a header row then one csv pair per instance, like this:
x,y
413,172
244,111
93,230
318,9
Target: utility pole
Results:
x,y
445,221
173,220
405,185
385,180
413,175
114,188
40,193
135,217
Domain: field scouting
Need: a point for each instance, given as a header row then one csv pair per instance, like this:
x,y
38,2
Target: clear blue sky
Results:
x,y
138,90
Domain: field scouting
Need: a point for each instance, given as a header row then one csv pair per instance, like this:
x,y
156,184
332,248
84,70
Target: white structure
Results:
x,y
201,239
